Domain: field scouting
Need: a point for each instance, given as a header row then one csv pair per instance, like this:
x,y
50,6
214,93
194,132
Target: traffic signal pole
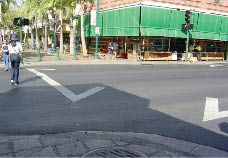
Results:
x,y
97,30
20,34
187,45
187,27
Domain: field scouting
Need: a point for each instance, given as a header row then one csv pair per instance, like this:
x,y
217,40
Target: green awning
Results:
x,y
122,22
157,22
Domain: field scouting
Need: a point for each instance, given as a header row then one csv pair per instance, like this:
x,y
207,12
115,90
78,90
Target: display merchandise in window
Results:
x,y
159,45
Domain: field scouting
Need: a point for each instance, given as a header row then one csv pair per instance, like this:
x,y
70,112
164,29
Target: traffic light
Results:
x,y
187,16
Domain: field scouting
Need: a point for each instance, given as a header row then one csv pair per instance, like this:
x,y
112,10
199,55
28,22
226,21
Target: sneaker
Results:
x,y
15,84
12,82
6,69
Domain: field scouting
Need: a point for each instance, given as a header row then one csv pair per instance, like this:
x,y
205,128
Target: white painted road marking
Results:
x,y
66,92
211,111
47,69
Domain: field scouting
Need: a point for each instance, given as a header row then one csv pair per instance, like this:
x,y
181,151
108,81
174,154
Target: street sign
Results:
x,y
97,30
187,26
93,18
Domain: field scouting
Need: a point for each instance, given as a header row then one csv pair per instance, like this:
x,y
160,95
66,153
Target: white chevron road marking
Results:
x,y
66,92
211,111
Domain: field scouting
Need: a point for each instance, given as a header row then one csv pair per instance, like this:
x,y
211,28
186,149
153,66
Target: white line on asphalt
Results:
x,y
211,111
212,65
219,65
66,92
47,69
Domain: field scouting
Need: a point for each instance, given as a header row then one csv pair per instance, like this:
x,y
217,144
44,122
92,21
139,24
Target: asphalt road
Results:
x,y
165,100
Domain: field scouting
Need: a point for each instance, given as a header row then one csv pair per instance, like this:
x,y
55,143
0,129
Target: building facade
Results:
x,y
152,29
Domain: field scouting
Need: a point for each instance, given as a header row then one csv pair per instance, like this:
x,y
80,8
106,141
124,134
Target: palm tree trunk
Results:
x,y
61,33
84,50
31,39
43,33
46,37
25,37
72,37
37,37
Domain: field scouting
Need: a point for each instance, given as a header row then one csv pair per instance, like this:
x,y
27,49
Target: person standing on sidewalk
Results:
x,y
198,49
15,49
5,52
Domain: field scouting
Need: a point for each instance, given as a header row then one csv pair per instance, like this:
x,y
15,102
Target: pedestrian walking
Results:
x,y
5,53
15,49
115,48
110,48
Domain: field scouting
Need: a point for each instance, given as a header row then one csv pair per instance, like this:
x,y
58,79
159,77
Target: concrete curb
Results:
x,y
114,62
77,144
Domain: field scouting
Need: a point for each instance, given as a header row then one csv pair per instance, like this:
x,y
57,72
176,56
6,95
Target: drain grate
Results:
x,y
114,152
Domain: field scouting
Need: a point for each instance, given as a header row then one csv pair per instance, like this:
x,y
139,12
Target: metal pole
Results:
x,y
57,54
33,41
20,34
187,44
97,13
38,55
75,54
20,28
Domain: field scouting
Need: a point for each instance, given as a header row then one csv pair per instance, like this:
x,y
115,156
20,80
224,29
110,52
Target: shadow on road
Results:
x,y
30,80
224,127
43,110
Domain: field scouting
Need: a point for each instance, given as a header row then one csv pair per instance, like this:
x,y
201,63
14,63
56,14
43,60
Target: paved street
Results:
x,y
166,100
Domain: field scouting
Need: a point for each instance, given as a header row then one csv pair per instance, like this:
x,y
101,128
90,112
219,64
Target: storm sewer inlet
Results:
x,y
114,152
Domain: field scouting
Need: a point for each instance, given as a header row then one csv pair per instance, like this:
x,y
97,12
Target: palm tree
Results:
x,y
83,4
68,6
7,14
60,6
36,11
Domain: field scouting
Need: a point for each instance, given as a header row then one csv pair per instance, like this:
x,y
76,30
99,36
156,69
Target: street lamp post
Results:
x,y
97,30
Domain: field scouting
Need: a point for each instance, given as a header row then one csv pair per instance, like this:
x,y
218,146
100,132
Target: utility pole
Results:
x,y
97,31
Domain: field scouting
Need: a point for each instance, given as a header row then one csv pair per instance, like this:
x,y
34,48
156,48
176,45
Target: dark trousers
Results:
x,y
198,56
15,64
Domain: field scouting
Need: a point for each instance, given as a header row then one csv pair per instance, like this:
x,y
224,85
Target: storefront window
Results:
x,y
212,46
159,45
66,38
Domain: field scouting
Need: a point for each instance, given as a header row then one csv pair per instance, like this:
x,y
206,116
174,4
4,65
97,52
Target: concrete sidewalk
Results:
x,y
30,59
102,144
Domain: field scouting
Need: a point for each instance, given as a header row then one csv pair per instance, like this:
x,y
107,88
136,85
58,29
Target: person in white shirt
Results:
x,y
15,49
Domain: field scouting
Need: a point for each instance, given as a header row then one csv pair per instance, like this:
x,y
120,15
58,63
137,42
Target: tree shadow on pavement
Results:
x,y
44,110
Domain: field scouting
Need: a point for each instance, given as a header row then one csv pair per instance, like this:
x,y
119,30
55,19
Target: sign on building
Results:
x,y
93,18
